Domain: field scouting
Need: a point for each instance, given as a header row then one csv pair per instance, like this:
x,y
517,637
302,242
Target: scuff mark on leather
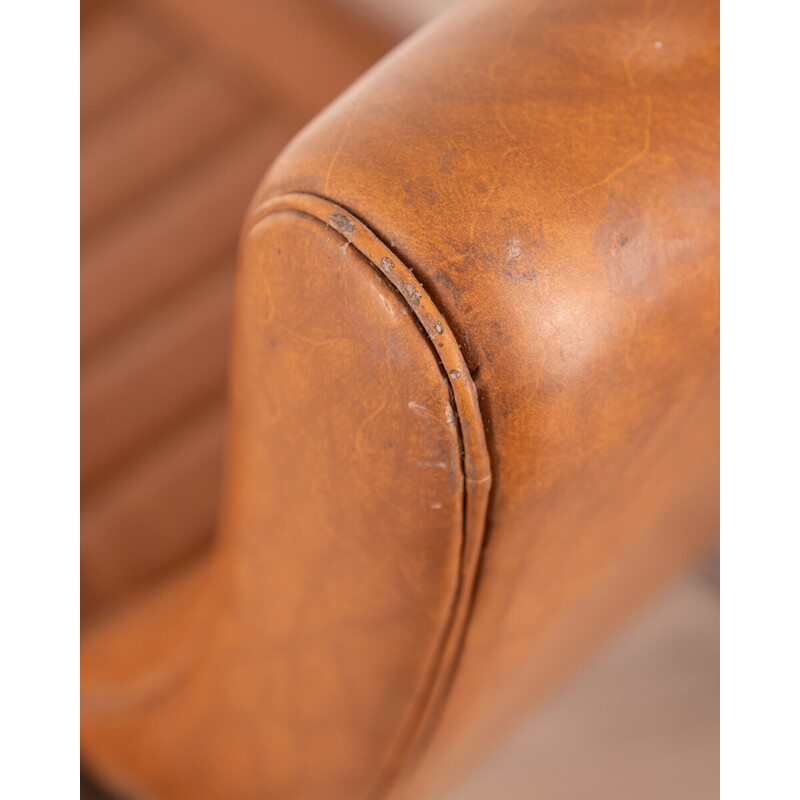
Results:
x,y
411,294
513,249
342,223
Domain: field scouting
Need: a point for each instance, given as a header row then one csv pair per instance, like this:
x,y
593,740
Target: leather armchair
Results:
x,y
473,412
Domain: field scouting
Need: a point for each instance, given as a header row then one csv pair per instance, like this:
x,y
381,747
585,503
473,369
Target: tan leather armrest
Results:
x,y
474,404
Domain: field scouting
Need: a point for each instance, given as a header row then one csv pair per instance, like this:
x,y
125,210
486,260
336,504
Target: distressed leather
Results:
x,y
473,414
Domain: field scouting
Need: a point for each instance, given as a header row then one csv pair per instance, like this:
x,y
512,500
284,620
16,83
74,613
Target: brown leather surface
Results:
x,y
176,129
640,720
340,554
548,174
557,191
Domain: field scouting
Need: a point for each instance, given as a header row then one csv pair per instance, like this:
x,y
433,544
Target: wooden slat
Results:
x,y
117,53
162,243
162,369
156,132
305,51
159,511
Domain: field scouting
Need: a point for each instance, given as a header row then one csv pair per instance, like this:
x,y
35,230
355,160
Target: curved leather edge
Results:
x,y
424,710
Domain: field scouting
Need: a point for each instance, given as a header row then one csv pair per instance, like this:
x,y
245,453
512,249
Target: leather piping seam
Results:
x,y
417,726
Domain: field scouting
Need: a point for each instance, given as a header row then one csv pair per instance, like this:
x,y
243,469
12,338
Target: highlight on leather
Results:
x,y
473,409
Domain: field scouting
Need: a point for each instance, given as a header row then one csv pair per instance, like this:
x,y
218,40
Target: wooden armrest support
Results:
x,y
473,415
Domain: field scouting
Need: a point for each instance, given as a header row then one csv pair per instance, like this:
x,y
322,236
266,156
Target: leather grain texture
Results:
x,y
543,179
551,171
339,566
